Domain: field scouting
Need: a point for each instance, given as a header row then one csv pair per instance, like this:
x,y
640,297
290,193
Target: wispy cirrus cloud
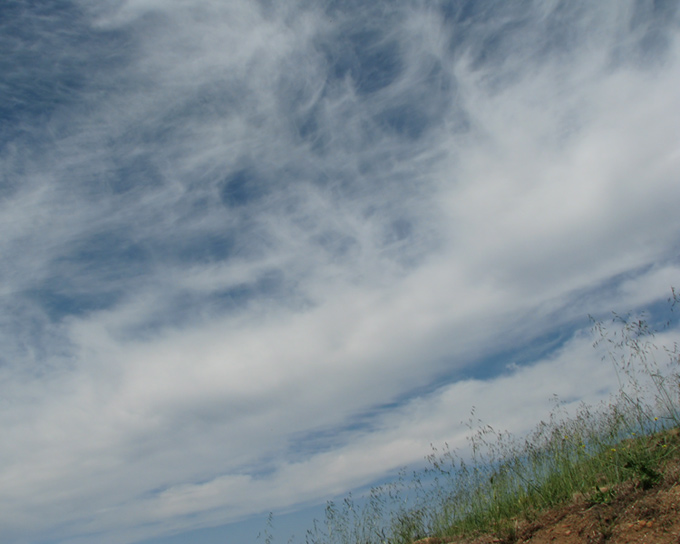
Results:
x,y
256,255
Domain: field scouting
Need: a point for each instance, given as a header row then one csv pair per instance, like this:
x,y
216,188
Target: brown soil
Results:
x,y
633,515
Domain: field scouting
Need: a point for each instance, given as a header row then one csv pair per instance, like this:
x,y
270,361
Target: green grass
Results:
x,y
505,478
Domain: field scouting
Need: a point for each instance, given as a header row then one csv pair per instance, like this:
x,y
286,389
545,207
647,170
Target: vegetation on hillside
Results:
x,y
507,481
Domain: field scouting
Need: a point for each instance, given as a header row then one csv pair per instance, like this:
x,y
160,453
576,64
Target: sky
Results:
x,y
255,255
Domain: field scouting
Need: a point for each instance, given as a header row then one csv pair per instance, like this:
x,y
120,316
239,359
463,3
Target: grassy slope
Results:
x,y
510,482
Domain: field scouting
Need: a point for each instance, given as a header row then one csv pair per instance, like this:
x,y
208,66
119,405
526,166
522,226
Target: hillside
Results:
x,y
607,473
630,512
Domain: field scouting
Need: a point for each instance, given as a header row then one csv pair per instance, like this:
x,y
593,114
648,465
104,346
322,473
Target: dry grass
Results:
x,y
606,473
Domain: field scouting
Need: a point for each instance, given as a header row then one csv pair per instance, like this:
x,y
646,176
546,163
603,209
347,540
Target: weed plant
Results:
x,y
505,479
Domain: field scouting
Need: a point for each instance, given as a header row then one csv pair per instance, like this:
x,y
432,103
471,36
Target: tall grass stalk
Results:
x,y
505,478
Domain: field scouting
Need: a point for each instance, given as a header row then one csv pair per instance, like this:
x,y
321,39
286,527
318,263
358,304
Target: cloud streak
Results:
x,y
255,256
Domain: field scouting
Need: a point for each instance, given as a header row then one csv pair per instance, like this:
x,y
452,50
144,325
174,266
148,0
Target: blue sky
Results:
x,y
255,255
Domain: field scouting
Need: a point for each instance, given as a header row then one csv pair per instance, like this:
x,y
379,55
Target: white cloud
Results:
x,y
252,258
